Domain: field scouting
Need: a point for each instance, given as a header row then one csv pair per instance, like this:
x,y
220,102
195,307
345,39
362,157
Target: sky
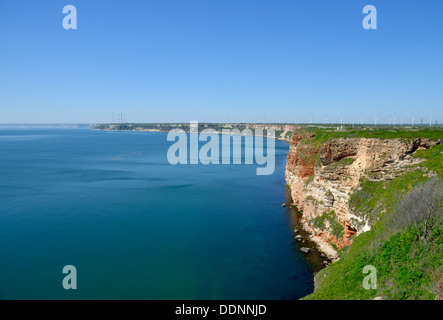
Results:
x,y
221,61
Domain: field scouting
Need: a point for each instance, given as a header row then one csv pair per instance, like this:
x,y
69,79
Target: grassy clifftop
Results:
x,y
324,134
405,244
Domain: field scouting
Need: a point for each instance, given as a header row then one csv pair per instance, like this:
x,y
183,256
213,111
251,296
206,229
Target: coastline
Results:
x,y
343,183
281,131
319,256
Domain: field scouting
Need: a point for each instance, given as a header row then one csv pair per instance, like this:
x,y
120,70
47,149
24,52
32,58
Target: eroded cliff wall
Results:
x,y
323,175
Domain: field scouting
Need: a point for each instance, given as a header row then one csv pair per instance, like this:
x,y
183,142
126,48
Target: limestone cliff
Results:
x,y
323,175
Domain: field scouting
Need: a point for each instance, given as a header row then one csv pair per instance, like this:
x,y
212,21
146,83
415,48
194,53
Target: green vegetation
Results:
x,y
333,225
142,126
433,158
312,199
324,134
288,135
309,180
320,135
374,199
343,162
404,267
405,243
309,156
278,133
165,127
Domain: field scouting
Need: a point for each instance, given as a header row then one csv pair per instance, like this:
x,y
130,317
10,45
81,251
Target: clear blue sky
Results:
x,y
220,60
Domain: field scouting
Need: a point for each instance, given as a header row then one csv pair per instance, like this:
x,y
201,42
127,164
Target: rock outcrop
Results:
x,y
323,177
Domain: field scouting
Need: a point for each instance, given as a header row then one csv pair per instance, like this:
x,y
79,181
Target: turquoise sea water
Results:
x,y
136,227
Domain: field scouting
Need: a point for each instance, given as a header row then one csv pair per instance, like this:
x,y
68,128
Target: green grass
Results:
x,y
309,148
323,135
309,180
340,163
308,155
374,199
433,158
404,262
335,227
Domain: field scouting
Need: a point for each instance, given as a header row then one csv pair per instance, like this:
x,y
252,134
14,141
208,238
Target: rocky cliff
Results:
x,y
323,175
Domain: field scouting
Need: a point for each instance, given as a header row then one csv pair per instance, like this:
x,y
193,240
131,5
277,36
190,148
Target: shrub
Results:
x,y
422,205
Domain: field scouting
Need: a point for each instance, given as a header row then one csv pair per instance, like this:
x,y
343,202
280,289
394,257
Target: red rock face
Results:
x,y
299,155
298,166
331,181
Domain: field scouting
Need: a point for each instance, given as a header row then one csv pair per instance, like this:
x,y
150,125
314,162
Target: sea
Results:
x,y
134,226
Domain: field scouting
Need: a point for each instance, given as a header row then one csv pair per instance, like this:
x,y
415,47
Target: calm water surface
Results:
x,y
136,227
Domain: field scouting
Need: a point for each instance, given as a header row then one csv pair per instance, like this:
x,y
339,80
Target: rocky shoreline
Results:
x,y
315,254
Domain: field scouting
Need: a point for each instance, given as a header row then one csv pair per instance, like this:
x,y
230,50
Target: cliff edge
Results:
x,y
323,174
